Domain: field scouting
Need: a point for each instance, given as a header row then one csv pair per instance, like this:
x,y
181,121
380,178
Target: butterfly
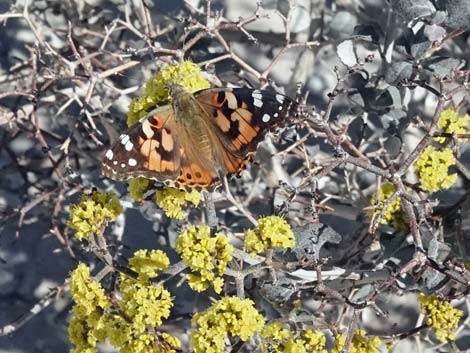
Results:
x,y
198,138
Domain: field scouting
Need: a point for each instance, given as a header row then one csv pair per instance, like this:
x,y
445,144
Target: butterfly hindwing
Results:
x,y
149,149
195,175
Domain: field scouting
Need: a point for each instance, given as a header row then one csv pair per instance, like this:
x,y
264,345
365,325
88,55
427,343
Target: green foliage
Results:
x,y
230,316
272,232
205,255
93,213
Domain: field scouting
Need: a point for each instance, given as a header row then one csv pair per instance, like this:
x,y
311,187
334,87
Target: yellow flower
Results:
x,y
86,292
171,201
137,188
432,169
360,343
315,341
186,74
272,232
277,339
147,262
92,214
142,302
393,214
130,322
440,315
230,316
172,341
88,324
451,122
79,335
205,255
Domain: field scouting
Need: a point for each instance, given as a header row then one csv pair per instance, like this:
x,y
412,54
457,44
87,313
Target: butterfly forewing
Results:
x,y
242,117
149,149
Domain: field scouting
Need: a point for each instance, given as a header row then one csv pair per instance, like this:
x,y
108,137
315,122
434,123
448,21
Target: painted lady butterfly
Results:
x,y
199,137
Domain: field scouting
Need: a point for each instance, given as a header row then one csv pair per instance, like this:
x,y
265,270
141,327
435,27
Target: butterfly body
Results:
x,y
198,137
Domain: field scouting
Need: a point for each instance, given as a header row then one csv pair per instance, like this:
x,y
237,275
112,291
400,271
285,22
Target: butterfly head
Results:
x,y
175,89
183,103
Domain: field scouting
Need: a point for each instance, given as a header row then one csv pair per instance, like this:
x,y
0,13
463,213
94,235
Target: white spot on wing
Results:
x,y
257,102
276,115
125,139
257,98
109,154
132,162
266,118
115,162
280,98
123,165
128,146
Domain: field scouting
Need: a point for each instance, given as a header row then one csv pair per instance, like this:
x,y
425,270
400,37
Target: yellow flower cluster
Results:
x,y
432,169
87,326
130,322
171,201
440,315
139,301
393,214
147,263
92,213
207,256
451,122
138,187
272,232
186,74
280,340
230,316
360,343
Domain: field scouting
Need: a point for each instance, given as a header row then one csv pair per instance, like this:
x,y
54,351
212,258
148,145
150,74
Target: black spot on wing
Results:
x,y
226,110
234,131
220,97
166,155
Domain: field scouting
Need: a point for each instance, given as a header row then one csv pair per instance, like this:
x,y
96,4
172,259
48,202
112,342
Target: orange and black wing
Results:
x,y
194,174
242,117
149,149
